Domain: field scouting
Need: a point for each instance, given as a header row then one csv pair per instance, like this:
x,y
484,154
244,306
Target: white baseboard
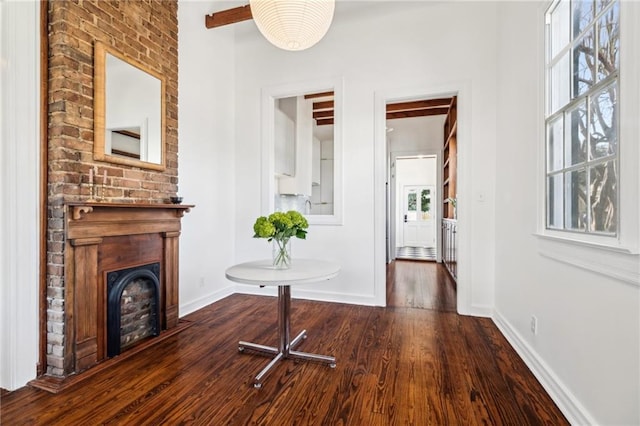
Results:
x,y
351,299
575,413
297,293
200,303
477,311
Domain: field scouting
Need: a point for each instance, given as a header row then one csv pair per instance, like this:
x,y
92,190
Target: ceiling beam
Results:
x,y
327,113
322,105
318,95
411,105
227,17
324,122
417,113
322,110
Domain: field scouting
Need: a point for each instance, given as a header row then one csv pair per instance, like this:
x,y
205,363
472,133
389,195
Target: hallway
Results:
x,y
422,285
416,253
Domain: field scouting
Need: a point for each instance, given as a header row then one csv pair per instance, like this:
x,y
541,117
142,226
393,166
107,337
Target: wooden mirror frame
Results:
x,y
99,109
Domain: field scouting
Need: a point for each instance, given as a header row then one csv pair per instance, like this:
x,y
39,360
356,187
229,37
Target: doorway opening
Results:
x,y
417,198
414,145
416,215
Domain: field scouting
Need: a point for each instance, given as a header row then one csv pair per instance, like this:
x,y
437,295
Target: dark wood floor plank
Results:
x,y
395,366
420,284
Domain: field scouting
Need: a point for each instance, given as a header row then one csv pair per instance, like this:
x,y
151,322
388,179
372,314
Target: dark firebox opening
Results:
x,y
133,306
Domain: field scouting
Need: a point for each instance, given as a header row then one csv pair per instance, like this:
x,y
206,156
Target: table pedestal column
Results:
x,y
286,346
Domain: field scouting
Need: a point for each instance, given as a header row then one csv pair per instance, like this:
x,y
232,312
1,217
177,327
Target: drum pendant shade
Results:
x,y
293,24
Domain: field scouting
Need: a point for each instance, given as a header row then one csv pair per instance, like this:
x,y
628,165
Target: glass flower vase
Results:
x,y
281,253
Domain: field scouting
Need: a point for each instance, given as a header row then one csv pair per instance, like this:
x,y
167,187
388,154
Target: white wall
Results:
x,y
425,134
587,349
378,47
206,117
19,186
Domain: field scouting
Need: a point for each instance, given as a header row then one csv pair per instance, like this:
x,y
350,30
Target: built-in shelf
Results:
x,y
449,154
449,184
454,129
450,246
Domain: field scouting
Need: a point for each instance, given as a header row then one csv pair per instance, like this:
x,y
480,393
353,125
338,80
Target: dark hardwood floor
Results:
x,y
420,284
395,366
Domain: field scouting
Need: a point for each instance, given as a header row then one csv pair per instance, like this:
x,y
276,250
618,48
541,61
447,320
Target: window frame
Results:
x,y
561,113
614,257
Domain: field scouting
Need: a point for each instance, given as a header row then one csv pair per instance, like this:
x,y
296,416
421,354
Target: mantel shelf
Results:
x,y
78,209
96,220
134,205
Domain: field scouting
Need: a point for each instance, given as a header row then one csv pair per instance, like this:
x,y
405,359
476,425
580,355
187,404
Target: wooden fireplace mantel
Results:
x,y
103,237
77,210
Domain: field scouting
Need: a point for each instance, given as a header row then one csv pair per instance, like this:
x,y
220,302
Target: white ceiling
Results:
x,y
346,10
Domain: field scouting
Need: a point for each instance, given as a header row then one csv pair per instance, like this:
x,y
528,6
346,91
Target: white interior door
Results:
x,y
418,214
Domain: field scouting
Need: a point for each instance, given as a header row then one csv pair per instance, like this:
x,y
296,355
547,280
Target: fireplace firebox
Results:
x,y
133,306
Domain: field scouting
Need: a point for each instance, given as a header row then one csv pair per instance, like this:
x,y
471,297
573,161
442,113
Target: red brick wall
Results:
x,y
147,31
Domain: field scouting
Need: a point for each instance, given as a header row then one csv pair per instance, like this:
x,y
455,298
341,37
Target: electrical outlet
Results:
x,y
201,282
534,324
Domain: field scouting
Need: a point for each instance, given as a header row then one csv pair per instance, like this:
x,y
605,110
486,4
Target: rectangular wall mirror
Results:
x,y
129,111
301,143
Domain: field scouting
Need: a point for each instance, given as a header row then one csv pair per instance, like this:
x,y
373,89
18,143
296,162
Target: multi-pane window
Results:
x,y
581,119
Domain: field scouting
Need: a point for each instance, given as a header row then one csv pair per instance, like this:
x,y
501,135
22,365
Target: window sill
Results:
x,y
594,242
617,262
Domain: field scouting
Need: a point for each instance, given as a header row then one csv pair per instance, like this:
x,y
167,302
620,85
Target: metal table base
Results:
x,y
286,346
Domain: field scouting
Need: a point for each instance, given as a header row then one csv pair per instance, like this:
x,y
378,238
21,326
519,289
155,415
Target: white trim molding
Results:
x,y
19,182
575,413
188,308
268,188
614,263
316,295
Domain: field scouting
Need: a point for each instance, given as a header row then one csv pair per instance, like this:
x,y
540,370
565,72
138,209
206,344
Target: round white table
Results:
x,y
262,273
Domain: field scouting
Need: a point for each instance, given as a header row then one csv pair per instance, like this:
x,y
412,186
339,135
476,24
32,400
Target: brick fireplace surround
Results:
x,y
146,31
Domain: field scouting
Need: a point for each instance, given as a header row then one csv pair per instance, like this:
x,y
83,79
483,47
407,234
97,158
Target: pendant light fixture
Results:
x,y
293,24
